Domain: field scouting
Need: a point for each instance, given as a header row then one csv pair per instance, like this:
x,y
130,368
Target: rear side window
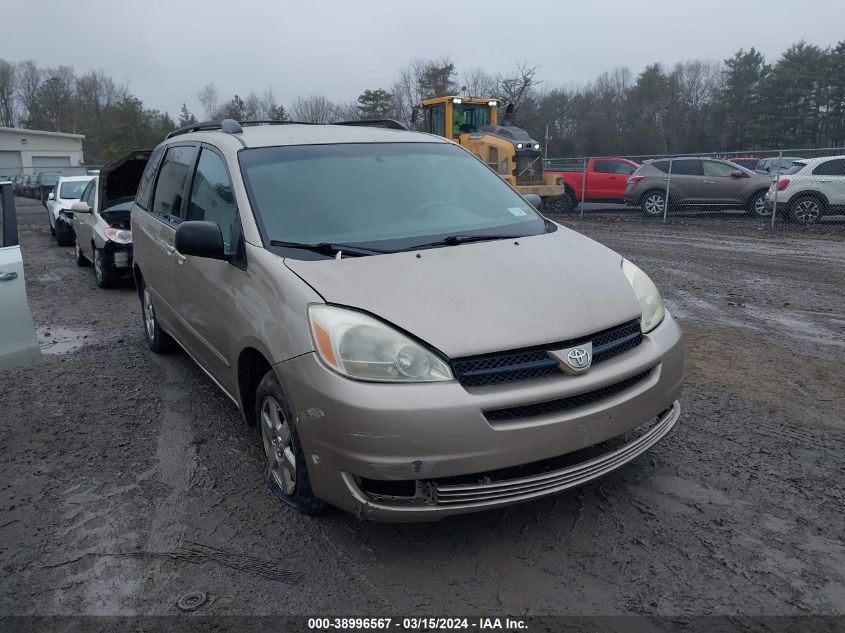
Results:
x,y
145,187
831,168
687,168
212,196
796,167
171,182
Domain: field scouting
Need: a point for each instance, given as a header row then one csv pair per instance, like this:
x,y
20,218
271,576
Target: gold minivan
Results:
x,y
411,337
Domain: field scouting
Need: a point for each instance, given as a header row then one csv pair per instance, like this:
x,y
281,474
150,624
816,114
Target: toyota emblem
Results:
x,y
578,358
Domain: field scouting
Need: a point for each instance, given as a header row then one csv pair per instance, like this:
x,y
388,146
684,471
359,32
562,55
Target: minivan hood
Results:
x,y
120,178
487,296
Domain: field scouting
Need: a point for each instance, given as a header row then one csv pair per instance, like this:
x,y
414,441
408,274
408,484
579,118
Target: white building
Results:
x,y
31,151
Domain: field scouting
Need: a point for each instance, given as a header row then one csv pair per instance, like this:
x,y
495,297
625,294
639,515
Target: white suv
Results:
x,y
809,189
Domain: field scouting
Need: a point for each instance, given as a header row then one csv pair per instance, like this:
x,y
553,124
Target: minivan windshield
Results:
x,y
386,196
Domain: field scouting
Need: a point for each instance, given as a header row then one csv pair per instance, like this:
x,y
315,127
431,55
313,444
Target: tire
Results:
x,y
159,341
806,210
64,237
79,257
286,468
756,206
653,203
563,204
101,276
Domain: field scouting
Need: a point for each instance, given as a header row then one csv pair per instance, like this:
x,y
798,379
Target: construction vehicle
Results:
x,y
473,122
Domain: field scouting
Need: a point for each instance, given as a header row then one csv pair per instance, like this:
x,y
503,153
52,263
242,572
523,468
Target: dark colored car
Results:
x,y
44,184
697,183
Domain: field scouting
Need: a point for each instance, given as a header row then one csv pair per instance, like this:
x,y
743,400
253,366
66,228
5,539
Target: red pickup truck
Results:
x,y
605,179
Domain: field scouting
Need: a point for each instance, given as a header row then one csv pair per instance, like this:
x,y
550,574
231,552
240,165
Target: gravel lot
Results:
x,y
128,480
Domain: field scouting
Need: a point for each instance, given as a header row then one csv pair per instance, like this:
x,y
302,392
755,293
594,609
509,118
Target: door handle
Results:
x,y
611,177
8,276
709,182
825,179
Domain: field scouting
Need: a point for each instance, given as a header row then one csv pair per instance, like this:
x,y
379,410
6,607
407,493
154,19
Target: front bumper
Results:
x,y
436,437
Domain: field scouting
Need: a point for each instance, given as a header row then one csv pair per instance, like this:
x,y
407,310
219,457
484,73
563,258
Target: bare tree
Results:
x,y
96,92
210,101
313,109
516,87
478,83
8,76
420,80
29,80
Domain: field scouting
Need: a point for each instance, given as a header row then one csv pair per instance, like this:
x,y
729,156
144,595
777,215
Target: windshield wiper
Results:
x,y
329,248
455,240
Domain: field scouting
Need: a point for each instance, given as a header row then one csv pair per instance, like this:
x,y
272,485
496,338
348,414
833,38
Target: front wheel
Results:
x,y
563,204
653,203
286,470
100,273
158,340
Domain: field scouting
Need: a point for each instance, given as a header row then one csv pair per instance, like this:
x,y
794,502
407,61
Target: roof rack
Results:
x,y
390,124
230,126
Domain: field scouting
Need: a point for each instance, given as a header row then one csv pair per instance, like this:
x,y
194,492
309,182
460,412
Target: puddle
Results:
x,y
61,340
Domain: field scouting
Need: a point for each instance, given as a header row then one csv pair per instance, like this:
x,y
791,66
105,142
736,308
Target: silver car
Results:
x,y
101,219
409,336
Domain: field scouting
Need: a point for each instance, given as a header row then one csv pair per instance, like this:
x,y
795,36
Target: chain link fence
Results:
x,y
775,189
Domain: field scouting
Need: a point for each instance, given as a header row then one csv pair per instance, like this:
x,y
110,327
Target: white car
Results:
x,y
809,189
18,343
68,190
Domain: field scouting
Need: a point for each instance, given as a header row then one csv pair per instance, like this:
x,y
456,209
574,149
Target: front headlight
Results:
x,y
647,294
120,236
361,347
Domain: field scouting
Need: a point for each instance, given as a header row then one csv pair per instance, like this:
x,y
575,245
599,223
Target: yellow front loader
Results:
x,y
510,151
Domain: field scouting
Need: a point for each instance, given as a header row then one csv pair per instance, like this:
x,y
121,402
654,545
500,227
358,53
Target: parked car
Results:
x,y
605,182
18,343
414,340
45,183
17,185
101,219
697,183
810,189
68,190
28,186
749,162
773,166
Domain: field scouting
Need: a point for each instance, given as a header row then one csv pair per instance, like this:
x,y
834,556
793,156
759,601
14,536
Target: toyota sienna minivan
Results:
x,y
411,337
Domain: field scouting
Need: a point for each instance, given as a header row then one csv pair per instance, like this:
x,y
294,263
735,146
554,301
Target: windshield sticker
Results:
x,y
516,211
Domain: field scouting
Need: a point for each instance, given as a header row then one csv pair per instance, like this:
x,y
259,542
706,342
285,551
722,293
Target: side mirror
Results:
x,y
737,174
200,239
80,207
51,196
535,200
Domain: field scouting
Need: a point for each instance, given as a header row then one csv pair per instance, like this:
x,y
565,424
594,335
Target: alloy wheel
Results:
x,y
278,445
654,204
807,211
149,316
760,207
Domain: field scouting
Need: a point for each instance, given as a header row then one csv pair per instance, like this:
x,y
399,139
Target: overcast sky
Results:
x,y
167,50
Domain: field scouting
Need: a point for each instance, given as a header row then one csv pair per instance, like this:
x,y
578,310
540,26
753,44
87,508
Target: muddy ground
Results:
x,y
128,480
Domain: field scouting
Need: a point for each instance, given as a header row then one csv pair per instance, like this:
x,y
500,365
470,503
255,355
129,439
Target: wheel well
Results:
x,y
811,194
252,366
567,189
138,278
